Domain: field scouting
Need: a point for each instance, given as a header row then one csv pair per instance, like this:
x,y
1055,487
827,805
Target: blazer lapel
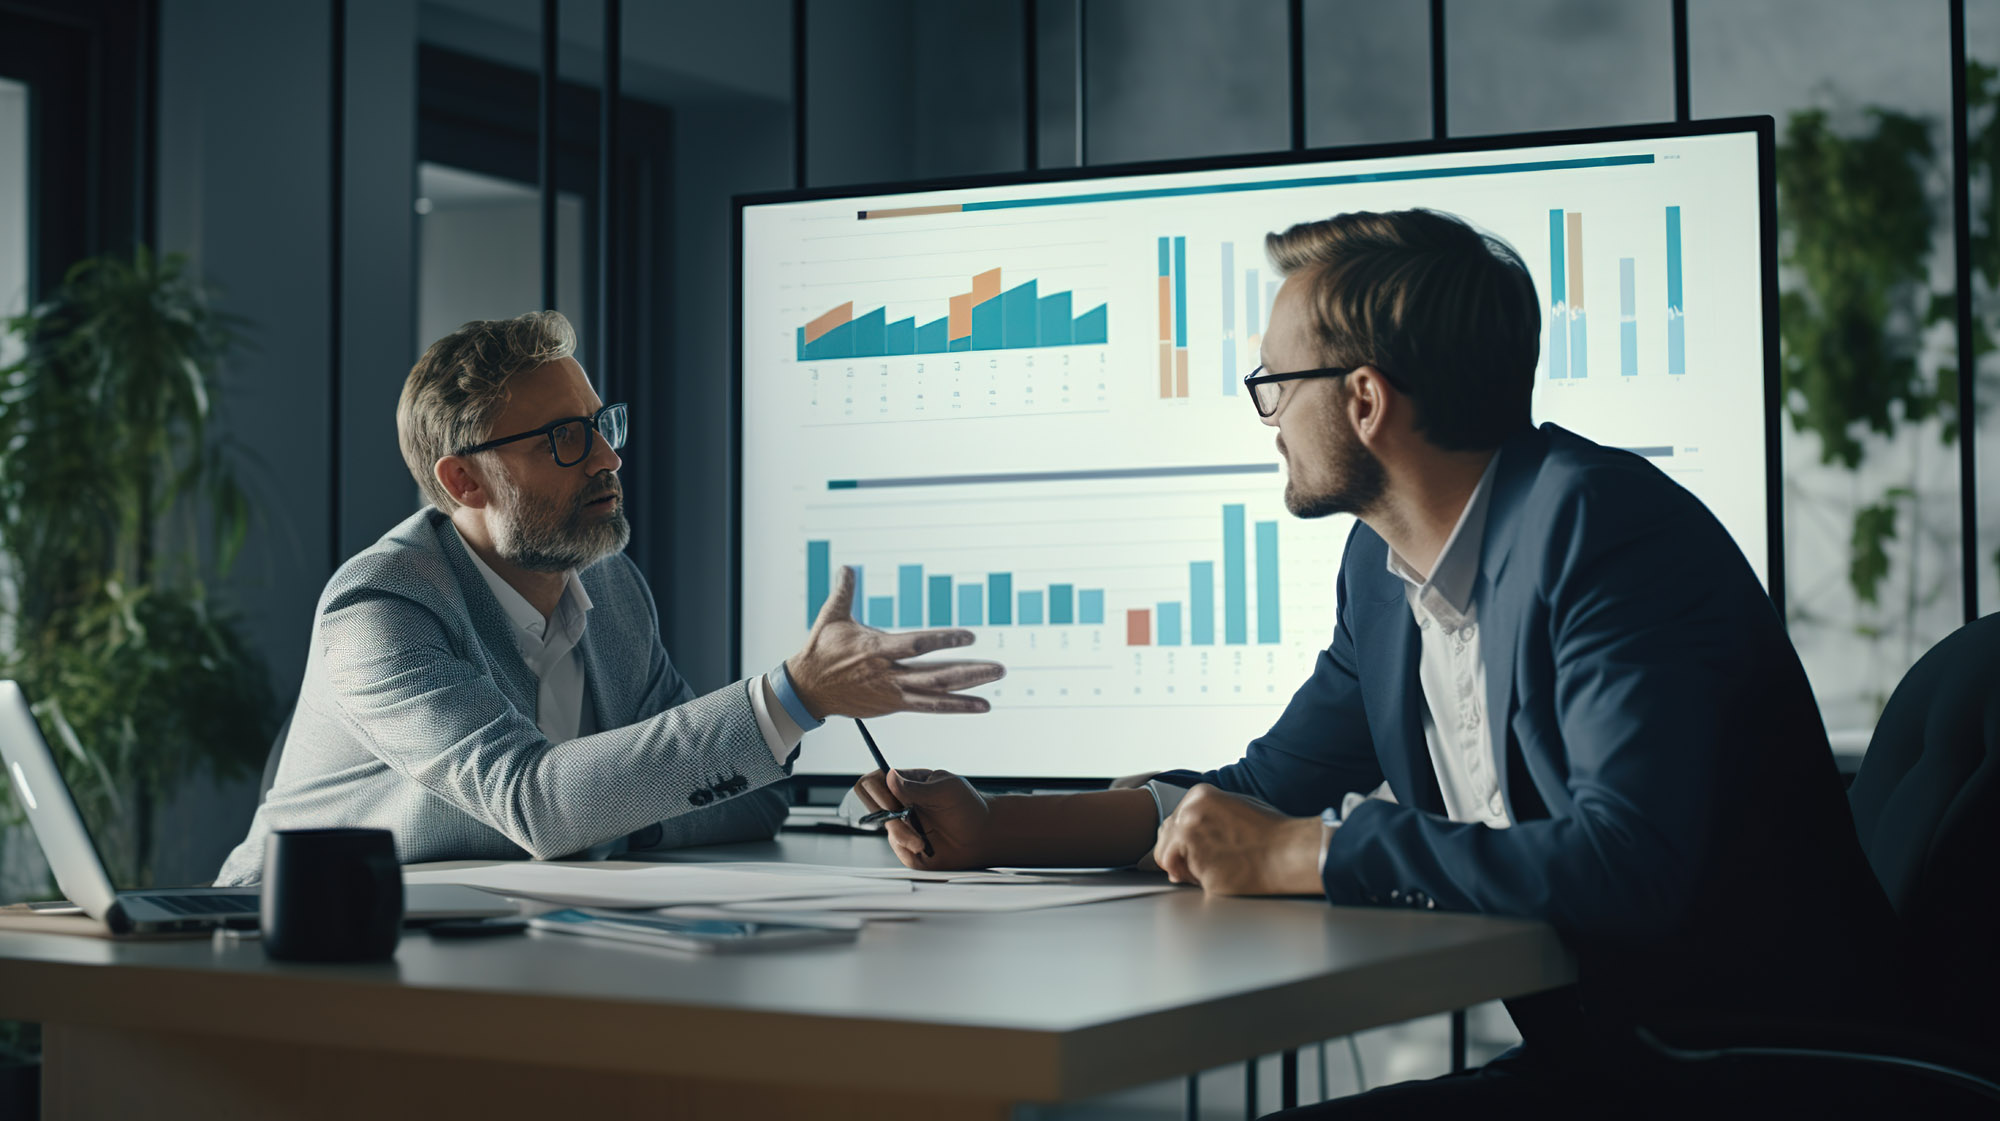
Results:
x,y
1500,616
490,624
1388,635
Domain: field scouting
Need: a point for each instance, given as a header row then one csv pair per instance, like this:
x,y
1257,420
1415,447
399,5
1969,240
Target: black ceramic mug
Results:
x,y
332,895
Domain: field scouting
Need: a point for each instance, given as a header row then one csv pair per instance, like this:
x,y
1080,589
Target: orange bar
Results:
x,y
1180,372
1166,369
1575,285
830,320
961,318
909,211
1139,627
985,286
1166,309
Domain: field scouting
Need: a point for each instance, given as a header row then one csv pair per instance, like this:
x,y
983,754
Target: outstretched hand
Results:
x,y
847,669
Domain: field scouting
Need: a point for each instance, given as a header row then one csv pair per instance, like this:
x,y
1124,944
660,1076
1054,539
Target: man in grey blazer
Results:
x,y
488,681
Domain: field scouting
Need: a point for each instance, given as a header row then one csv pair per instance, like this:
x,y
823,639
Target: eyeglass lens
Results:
x,y
572,442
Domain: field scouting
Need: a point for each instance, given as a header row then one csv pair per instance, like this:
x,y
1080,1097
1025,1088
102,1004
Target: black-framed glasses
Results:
x,y
570,438
1265,388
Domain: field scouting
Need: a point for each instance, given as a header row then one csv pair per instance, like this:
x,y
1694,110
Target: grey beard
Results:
x,y
1358,479
540,544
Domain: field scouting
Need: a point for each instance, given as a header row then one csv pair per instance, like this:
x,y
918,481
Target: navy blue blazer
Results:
x,y
1677,813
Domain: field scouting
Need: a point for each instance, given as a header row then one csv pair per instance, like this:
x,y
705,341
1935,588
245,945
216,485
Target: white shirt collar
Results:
x,y
1457,567
572,610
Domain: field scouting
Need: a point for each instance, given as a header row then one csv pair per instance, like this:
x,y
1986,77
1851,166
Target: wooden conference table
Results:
x,y
948,1016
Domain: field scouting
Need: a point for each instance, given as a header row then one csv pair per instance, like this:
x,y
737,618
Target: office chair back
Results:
x,y
1926,804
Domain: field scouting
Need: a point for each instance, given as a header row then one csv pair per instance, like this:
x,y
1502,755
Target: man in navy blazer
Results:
x,y
1555,690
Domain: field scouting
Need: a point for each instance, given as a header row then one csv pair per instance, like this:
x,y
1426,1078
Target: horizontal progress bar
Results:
x,y
1056,476
1651,452
1265,185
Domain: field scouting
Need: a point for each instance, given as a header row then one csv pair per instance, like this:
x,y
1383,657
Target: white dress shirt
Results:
x,y
549,646
1451,673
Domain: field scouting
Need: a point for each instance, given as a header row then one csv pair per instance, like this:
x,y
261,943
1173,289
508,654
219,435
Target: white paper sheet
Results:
x,y
988,898
975,876
657,885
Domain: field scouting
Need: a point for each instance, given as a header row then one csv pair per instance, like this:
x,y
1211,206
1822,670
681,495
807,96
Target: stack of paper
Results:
x,y
659,885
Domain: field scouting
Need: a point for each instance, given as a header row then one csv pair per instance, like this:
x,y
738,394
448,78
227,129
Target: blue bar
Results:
x,y
1090,607
1229,371
860,599
1314,181
1201,603
1628,324
971,605
910,595
1180,291
1091,327
1558,300
1056,324
900,337
958,344
803,357
1166,258
1628,348
940,601
931,336
1676,343
1062,603
1267,582
1000,593
1169,623
870,339
837,343
1235,621
819,577
1018,316
1578,367
1676,310
988,327
1628,303
882,611
1252,306
1031,609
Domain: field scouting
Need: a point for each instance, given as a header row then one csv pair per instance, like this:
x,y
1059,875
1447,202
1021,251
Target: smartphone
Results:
x,y
714,936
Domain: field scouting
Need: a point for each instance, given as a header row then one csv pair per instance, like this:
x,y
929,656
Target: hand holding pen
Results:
x,y
904,814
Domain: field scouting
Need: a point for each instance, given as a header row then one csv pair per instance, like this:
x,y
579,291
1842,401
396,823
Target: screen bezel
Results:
x,y
1761,127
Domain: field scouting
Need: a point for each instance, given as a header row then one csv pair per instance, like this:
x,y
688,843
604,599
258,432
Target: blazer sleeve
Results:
x,y
435,717
1638,652
1320,748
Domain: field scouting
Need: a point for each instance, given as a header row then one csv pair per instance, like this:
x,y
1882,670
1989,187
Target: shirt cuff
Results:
x,y
781,735
1166,796
781,684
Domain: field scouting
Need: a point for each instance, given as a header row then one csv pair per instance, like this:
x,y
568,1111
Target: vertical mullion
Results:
x,y
609,372
1031,89
1438,121
336,266
1968,362
545,136
1082,87
799,93
1296,23
1682,101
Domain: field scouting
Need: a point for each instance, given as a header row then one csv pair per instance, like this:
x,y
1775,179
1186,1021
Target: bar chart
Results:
x,y
1173,317
1568,339
1259,292
1161,623
1676,313
987,316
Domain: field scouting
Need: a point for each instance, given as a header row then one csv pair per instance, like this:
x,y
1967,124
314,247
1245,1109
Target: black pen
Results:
x,y
909,816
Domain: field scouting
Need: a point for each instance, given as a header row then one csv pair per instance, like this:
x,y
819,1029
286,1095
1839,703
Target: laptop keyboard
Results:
x,y
206,904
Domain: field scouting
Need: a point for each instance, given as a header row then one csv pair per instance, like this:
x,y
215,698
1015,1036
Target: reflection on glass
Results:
x,y
479,252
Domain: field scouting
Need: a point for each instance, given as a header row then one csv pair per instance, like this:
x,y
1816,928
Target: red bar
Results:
x,y
1139,627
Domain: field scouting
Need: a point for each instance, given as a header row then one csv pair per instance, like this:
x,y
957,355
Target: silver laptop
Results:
x,y
79,870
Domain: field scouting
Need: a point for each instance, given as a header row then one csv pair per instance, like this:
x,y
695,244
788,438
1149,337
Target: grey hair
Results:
x,y
460,384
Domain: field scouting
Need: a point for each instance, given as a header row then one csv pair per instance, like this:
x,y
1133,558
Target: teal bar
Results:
x,y
1235,595
802,346
1313,181
1031,609
971,606
958,344
910,595
1056,323
1092,328
1062,603
1169,623
870,334
1019,324
882,611
931,336
901,337
1090,607
819,577
1201,602
1000,594
940,601
1180,291
1267,582
988,325
837,343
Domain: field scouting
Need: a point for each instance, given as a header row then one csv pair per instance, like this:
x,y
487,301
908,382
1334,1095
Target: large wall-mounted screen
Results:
x,y
1015,407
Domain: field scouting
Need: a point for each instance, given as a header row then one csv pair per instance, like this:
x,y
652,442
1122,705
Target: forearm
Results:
x,y
1097,827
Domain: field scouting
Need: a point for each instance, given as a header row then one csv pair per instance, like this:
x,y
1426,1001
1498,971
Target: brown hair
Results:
x,y
460,384
1446,313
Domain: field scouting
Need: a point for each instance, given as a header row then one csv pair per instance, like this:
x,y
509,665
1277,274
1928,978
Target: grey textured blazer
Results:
x,y
417,715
